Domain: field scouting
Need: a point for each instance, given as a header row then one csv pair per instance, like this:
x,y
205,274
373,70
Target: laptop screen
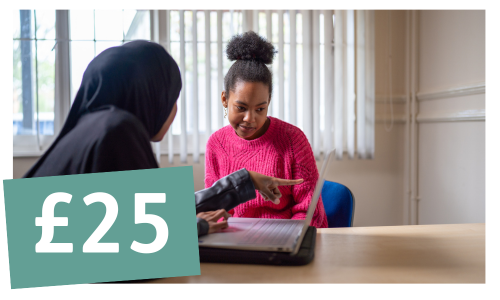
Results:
x,y
314,200
317,190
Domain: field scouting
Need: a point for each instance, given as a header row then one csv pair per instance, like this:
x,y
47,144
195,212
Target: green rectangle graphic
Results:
x,y
101,227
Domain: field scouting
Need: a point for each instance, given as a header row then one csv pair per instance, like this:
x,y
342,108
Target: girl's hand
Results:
x,y
268,186
212,216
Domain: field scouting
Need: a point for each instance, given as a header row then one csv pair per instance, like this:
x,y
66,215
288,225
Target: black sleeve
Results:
x,y
227,193
202,226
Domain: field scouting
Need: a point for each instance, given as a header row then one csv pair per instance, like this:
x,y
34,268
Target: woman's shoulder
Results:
x,y
292,140
113,126
118,122
290,130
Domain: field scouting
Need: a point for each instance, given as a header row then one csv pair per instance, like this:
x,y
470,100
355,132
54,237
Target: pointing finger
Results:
x,y
280,181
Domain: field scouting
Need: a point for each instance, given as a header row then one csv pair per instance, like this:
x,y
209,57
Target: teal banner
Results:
x,y
101,227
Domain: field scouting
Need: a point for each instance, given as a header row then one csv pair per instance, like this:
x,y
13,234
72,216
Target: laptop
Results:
x,y
273,235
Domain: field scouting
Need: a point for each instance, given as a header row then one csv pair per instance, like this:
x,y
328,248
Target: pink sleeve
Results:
x,y
211,165
305,167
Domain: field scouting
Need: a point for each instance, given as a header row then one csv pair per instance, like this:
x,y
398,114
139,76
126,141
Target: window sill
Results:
x,y
27,154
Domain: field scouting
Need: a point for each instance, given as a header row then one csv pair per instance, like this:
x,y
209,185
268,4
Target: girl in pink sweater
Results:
x,y
260,143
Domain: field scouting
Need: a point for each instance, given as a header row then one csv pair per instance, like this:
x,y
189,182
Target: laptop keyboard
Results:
x,y
269,232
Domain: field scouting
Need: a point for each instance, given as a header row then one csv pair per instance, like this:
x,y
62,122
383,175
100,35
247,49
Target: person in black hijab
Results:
x,y
126,95
127,99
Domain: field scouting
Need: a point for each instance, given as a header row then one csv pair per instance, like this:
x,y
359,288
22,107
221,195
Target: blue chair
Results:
x,y
338,201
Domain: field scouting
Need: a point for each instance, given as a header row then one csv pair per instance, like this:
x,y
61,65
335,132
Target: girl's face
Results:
x,y
247,108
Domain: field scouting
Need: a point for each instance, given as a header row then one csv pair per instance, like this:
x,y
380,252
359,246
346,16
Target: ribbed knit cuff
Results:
x,y
243,184
202,226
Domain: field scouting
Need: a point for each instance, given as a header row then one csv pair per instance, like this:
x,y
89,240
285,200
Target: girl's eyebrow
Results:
x,y
239,102
242,103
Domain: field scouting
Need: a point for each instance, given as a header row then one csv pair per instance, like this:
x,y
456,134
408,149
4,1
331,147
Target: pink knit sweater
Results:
x,y
284,152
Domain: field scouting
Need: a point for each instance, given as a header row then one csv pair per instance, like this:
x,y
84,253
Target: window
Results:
x,y
93,31
38,111
34,77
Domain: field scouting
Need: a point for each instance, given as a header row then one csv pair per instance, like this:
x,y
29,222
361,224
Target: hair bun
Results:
x,y
250,46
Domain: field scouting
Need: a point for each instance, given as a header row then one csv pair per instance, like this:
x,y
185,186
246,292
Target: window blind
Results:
x,y
323,75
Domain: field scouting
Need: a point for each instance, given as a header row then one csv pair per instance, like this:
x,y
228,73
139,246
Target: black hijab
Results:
x,y
126,95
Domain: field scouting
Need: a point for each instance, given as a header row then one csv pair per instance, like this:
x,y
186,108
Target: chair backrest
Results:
x,y
338,201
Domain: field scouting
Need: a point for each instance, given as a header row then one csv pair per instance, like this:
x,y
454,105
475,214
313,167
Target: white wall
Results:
x,y
21,165
377,184
451,150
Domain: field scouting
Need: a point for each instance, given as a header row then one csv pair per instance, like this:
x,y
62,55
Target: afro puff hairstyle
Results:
x,y
252,53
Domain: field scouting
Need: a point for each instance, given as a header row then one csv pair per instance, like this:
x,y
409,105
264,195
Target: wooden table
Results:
x,y
392,254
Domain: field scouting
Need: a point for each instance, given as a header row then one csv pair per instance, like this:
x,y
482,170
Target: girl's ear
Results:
x,y
223,99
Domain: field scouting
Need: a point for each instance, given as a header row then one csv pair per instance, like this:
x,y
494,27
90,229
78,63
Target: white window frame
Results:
x,y
36,145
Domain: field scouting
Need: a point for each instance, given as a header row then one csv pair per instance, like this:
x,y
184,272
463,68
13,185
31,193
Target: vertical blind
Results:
x,y
324,75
